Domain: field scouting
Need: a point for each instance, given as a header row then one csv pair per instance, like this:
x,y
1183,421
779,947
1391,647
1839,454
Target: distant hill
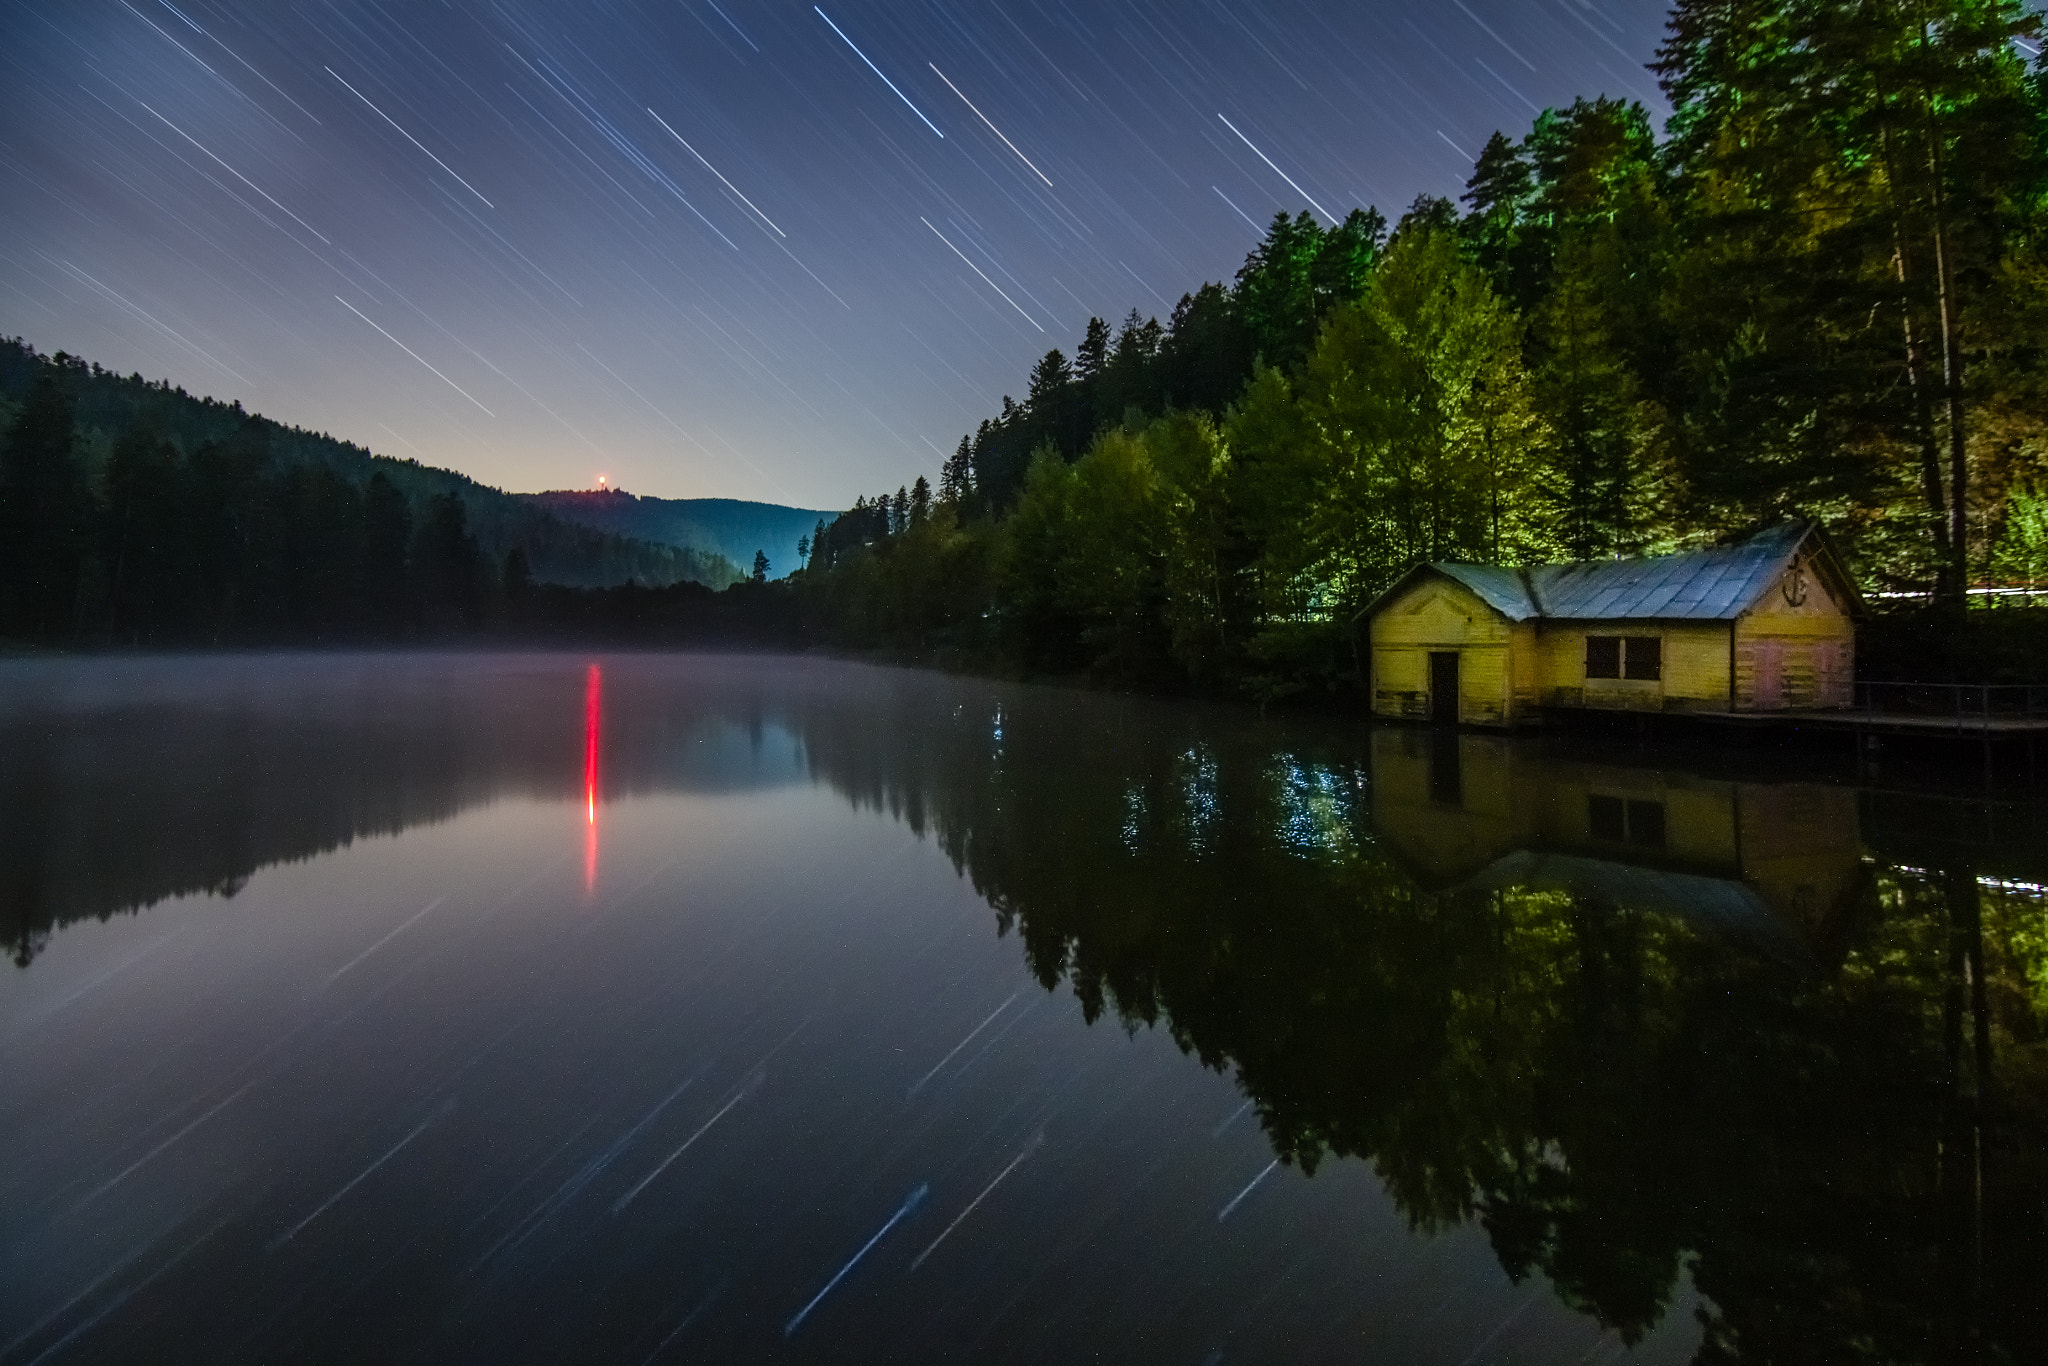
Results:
x,y
726,526
562,550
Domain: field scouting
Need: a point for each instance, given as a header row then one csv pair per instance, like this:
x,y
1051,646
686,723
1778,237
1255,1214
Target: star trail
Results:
x,y
698,246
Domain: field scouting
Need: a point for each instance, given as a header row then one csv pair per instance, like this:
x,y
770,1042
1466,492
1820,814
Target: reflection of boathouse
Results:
x,y
1762,625
1775,863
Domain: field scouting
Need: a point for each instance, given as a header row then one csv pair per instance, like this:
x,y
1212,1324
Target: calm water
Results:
x,y
636,1009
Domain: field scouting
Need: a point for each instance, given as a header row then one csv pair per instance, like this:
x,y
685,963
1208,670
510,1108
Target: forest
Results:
x,y
1821,291
135,514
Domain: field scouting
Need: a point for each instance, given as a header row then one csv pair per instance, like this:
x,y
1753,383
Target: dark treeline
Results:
x,y
1820,292
132,513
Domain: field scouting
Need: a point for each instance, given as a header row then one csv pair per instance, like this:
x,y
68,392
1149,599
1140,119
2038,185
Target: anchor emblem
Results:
x,y
1794,585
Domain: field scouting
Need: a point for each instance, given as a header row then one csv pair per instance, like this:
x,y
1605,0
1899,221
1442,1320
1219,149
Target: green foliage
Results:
x,y
1409,434
1854,184
1823,293
2020,555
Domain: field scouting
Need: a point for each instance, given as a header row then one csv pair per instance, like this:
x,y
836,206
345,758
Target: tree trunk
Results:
x,y
1951,356
1916,379
1952,383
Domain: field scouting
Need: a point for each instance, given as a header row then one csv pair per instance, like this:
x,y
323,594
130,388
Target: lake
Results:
x,y
648,1008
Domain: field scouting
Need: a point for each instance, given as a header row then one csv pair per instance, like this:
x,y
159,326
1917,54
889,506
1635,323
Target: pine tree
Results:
x,y
1605,428
142,545
1206,357
1276,289
1499,192
450,565
760,566
920,502
956,476
1093,352
1049,381
1854,177
387,543
1129,379
1344,263
45,511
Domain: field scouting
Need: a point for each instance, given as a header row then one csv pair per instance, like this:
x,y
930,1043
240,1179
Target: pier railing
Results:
x,y
1967,705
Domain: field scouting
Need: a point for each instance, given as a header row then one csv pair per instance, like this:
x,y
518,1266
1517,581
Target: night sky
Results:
x,y
756,250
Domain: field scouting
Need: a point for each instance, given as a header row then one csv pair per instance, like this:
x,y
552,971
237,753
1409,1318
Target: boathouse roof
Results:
x,y
1698,585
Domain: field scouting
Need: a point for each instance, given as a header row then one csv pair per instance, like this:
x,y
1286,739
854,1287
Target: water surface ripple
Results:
x,y
641,1008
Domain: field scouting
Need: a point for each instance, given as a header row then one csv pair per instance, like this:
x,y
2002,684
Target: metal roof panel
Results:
x,y
1697,585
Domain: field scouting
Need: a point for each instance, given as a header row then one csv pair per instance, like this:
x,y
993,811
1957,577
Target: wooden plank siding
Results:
x,y
1439,615
1695,655
1787,639
1795,845
1796,647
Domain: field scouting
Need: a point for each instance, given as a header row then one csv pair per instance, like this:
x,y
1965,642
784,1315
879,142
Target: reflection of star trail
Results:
x,y
593,719
910,1204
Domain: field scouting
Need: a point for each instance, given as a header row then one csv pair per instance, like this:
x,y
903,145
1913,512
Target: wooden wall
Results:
x,y
1695,667
1795,845
1795,648
1439,614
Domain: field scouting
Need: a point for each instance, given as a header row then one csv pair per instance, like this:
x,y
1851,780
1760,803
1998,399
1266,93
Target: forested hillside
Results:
x,y
732,527
1822,291
132,512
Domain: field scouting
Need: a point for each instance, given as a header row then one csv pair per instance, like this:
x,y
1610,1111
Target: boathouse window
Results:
x,y
1625,820
1639,657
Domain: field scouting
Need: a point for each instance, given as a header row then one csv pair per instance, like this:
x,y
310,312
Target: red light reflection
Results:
x,y
593,719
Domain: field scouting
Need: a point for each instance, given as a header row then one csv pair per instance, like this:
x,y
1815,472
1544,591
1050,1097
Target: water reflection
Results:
x,y
126,782
593,737
1643,1027
1776,864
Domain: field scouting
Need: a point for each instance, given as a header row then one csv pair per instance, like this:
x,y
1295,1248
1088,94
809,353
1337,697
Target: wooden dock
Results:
x,y
1956,727
1990,739
1882,723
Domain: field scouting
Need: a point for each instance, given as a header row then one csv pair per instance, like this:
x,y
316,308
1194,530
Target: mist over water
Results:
x,y
664,1008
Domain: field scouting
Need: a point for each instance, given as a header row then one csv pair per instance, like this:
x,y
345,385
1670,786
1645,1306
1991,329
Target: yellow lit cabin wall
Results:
x,y
1797,646
1795,845
1446,843
1439,614
1699,815
1802,850
1695,667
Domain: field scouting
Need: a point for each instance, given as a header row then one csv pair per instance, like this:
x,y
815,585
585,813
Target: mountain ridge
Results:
x,y
558,550
735,528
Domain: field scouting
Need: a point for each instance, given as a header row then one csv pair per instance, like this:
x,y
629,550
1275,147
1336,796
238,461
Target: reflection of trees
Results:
x,y
1846,1158
123,783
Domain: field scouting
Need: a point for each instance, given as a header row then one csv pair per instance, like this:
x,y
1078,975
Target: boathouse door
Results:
x,y
1443,687
1769,676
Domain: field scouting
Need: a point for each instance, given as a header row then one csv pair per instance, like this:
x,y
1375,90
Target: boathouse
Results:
x,y
1766,624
